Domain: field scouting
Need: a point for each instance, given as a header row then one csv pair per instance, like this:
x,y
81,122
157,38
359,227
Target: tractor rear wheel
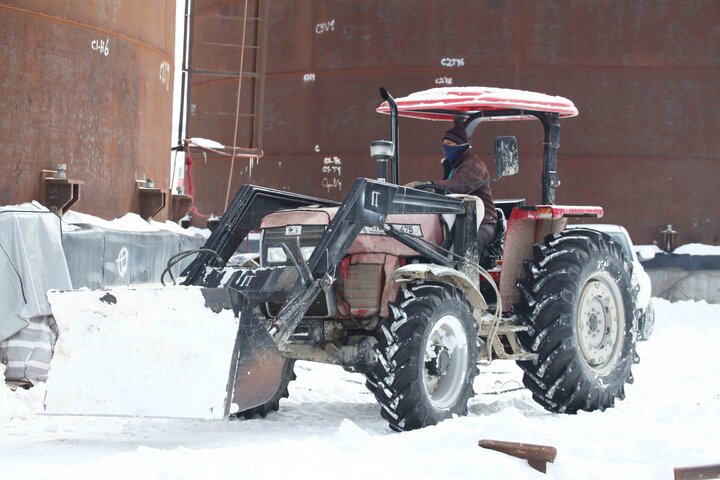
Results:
x,y
427,354
579,305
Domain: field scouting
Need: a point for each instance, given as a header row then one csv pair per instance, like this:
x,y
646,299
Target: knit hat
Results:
x,y
457,134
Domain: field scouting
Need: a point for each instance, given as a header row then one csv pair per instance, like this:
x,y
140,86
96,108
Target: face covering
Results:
x,y
454,152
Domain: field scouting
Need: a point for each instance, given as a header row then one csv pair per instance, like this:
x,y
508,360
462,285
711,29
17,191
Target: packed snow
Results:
x,y
330,427
96,367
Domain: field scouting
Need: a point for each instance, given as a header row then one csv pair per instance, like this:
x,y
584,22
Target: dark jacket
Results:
x,y
470,176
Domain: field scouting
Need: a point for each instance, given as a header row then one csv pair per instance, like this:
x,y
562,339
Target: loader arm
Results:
x,y
367,204
245,213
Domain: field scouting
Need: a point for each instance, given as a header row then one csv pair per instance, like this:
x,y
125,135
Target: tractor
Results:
x,y
390,283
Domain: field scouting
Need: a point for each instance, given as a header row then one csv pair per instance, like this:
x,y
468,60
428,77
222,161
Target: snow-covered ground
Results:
x,y
330,427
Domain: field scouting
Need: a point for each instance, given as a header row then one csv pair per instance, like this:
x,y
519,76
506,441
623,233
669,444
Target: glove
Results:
x,y
427,186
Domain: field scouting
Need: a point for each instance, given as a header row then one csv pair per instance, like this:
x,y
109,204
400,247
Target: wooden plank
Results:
x,y
697,473
537,456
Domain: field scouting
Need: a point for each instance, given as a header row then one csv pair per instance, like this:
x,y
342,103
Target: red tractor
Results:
x,y
390,282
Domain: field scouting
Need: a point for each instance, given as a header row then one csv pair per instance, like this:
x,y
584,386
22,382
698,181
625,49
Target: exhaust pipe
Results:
x,y
395,134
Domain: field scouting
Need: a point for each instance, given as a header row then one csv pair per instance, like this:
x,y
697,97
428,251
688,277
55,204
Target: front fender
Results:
x,y
426,271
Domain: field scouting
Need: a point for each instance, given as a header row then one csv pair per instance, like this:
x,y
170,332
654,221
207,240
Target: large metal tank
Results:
x,y
87,84
643,74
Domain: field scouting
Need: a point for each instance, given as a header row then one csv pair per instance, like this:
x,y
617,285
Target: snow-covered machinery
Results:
x,y
389,283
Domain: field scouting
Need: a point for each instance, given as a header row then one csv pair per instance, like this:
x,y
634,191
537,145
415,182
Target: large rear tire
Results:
x,y
579,305
427,354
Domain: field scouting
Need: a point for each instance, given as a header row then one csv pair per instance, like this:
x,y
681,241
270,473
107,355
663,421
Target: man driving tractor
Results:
x,y
464,172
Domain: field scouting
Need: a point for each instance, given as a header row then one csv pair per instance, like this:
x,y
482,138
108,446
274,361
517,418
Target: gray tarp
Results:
x,y
31,263
34,258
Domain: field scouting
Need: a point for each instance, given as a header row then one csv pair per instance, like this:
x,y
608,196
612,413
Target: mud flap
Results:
x,y
186,352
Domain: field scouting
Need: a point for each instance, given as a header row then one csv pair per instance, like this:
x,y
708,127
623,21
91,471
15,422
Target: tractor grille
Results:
x,y
362,289
272,254
271,250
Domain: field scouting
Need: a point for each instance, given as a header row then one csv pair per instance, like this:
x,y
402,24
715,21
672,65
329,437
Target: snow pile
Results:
x,y
15,405
697,249
130,222
145,352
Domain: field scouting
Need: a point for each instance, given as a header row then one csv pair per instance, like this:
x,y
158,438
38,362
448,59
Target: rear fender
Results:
x,y
527,226
420,272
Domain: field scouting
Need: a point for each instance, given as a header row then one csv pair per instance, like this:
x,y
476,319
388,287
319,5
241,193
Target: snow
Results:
x,y
511,97
697,249
130,222
420,104
99,367
330,427
205,143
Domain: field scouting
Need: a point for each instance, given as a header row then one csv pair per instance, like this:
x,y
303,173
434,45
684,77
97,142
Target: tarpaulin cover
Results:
x,y
31,263
100,257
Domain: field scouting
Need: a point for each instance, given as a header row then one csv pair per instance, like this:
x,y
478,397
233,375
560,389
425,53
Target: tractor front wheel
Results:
x,y
579,306
427,354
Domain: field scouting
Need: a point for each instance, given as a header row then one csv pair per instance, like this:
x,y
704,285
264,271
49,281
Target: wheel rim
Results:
x,y
445,362
600,322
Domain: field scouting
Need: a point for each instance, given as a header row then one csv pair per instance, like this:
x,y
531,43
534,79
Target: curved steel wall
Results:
x,y
643,74
88,84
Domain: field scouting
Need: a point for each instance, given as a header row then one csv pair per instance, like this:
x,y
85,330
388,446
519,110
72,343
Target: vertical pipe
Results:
x,y
395,131
181,120
550,178
262,23
190,15
396,141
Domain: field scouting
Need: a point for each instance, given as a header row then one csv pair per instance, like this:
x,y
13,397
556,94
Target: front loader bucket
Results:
x,y
187,352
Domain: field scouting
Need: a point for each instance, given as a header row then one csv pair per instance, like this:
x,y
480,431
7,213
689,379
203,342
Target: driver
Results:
x,y
464,172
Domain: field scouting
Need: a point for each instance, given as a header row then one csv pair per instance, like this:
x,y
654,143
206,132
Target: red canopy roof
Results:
x,y
445,103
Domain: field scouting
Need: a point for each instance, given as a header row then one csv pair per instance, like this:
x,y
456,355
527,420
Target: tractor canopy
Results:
x,y
444,104
473,105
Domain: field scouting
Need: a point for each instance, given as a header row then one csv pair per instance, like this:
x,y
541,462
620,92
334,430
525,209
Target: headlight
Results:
x,y
276,255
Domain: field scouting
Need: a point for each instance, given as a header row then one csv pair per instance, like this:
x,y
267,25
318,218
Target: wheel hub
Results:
x,y
600,322
445,362
439,365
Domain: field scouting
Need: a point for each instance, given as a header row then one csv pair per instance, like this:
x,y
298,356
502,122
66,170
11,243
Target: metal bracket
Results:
x,y
152,200
60,193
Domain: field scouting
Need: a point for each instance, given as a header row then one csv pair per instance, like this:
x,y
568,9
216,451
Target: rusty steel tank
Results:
x,y
644,76
87,85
